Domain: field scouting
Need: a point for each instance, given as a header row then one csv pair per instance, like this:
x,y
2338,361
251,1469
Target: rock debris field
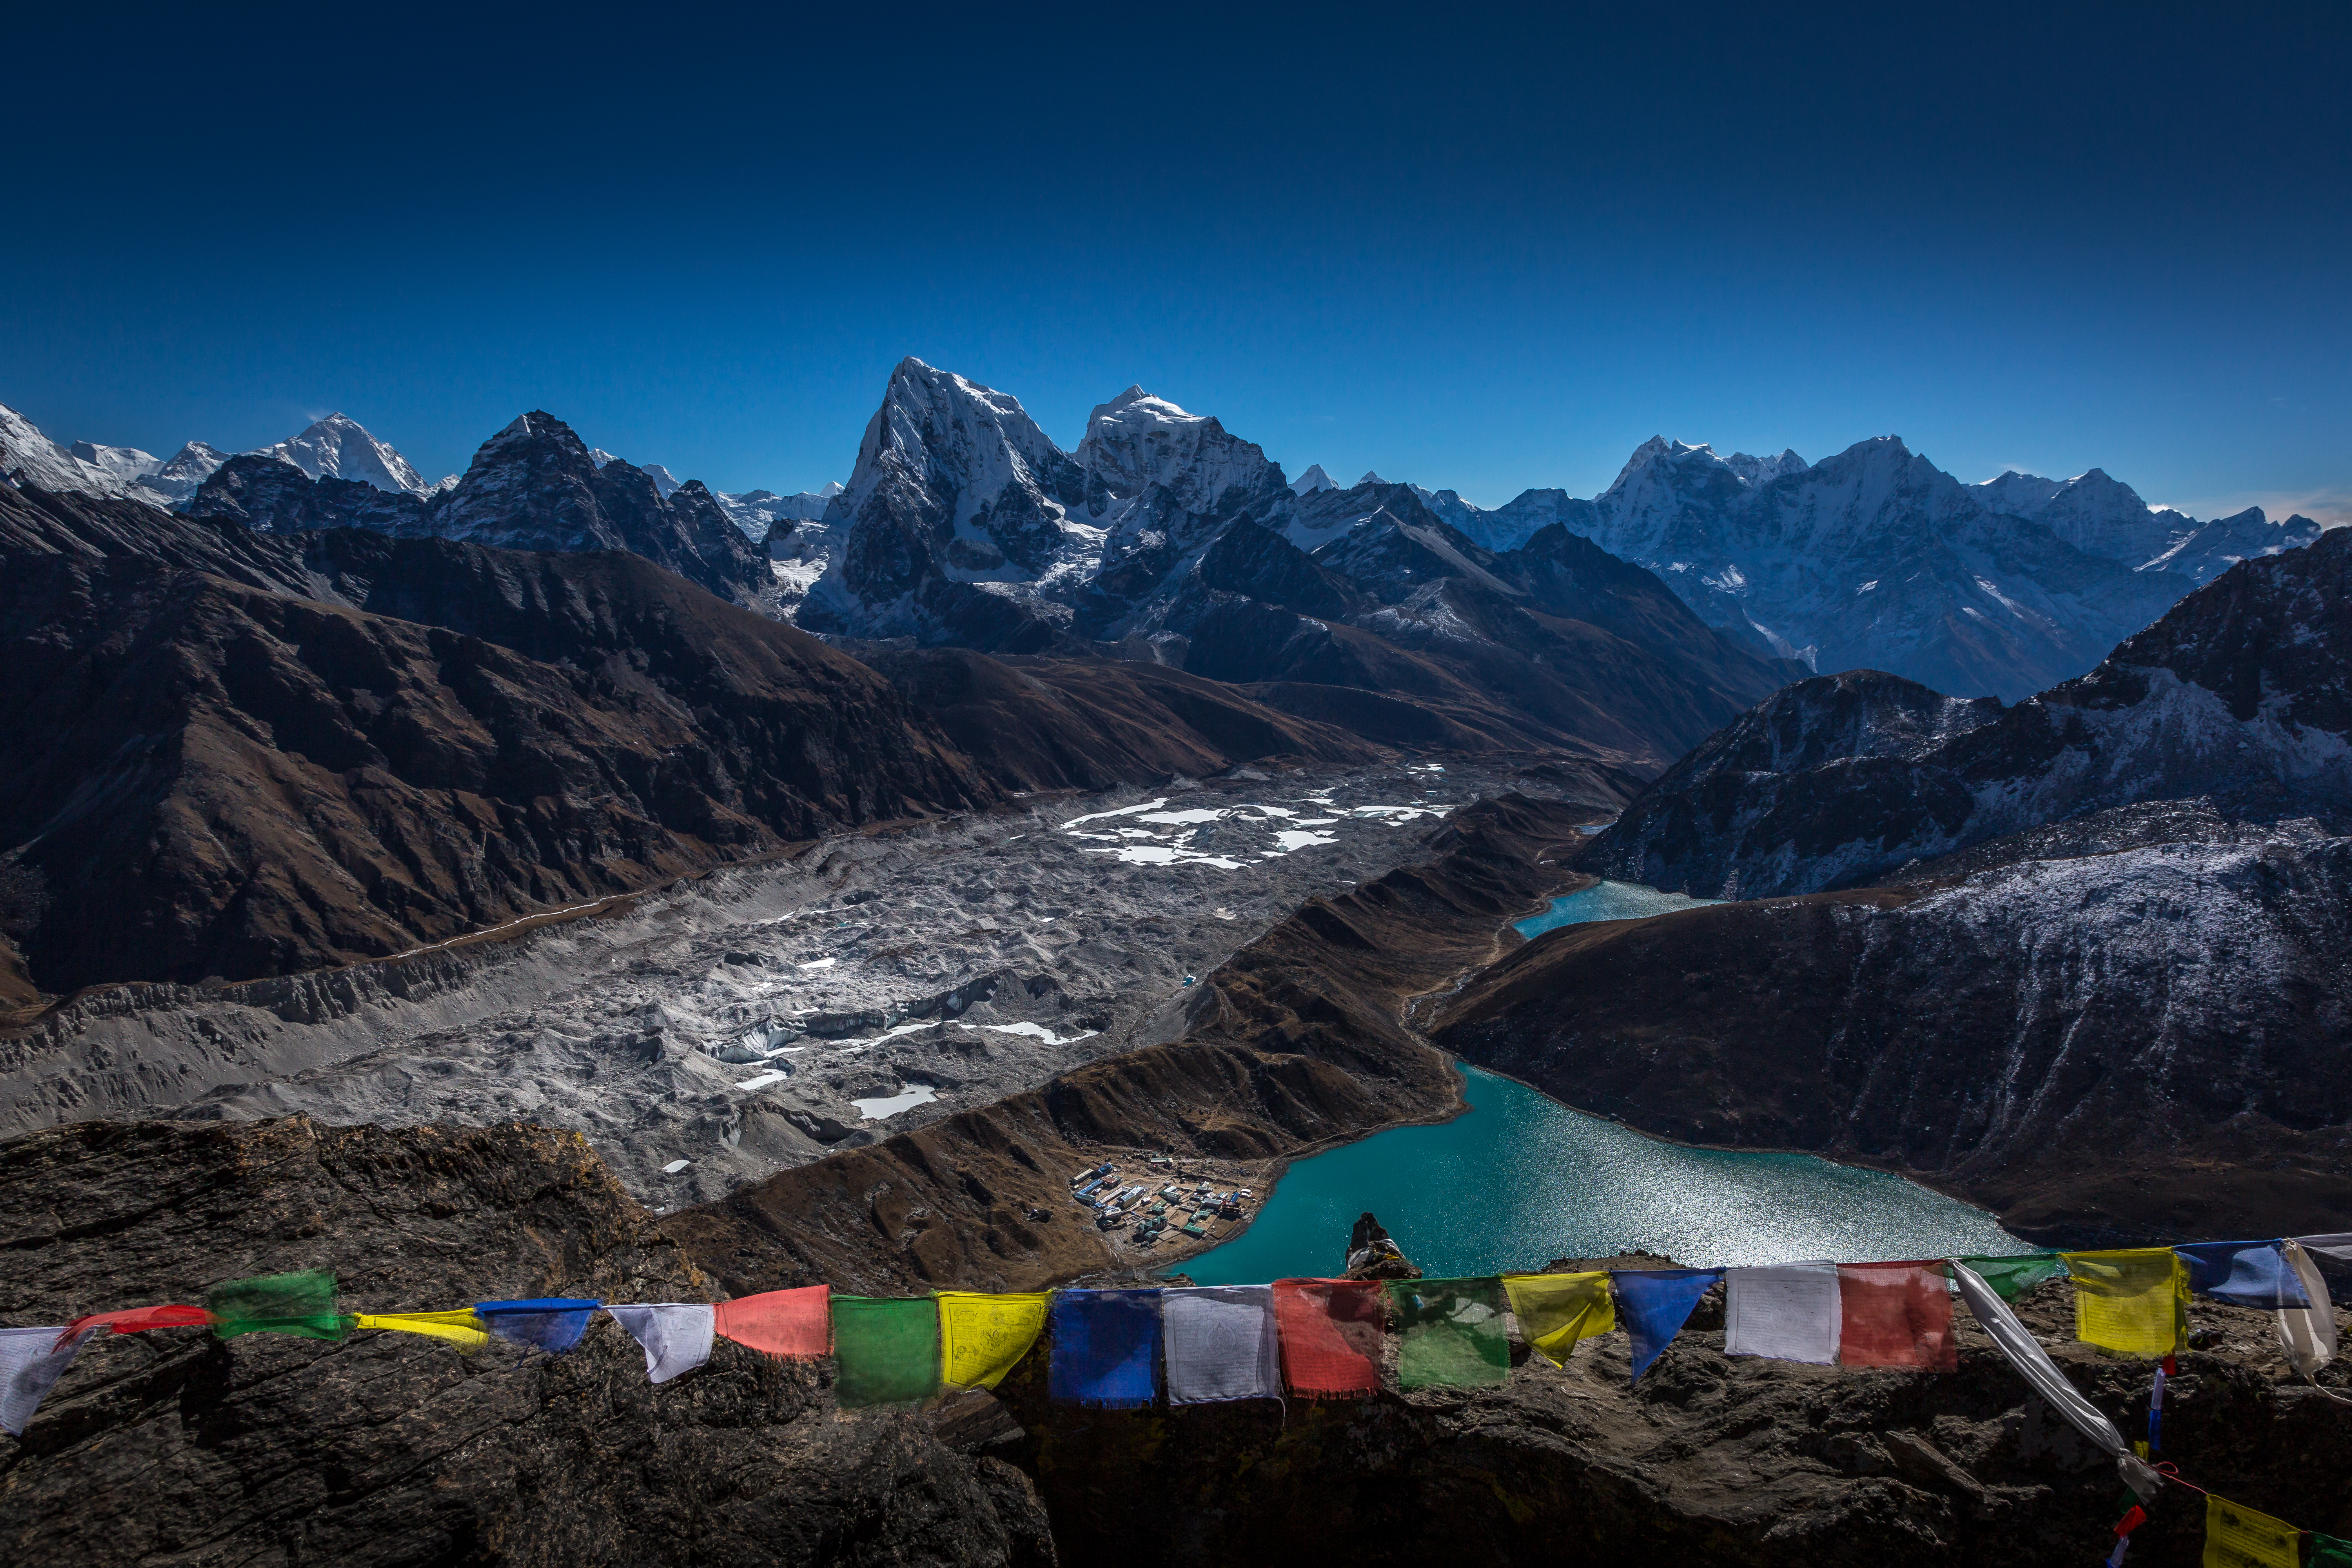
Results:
x,y
719,1031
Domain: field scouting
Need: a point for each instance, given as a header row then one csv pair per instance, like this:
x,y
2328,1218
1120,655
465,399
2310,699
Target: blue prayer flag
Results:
x,y
547,1322
1106,1350
1652,1305
2249,1273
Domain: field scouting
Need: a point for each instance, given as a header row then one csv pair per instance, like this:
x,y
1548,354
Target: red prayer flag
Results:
x,y
780,1322
1330,1335
1895,1314
138,1319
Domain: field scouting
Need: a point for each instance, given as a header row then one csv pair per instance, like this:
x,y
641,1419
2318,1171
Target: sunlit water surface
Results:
x,y
1521,1179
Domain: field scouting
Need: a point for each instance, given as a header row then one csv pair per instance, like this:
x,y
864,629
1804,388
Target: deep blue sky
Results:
x,y
1485,250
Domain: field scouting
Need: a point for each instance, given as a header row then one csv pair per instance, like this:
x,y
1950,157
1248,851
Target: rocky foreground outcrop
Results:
x,y
402,1452
399,1451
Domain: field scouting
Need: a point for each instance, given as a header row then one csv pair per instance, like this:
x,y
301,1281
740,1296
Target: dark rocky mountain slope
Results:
x,y
221,779
2142,1046
2239,694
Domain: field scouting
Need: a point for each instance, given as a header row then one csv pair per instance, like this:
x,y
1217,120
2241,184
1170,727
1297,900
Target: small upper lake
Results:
x,y
1521,1179
1609,901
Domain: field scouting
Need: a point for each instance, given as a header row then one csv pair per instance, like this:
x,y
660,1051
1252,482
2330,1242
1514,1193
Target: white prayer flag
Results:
x,y
1790,1311
2308,1333
1221,1343
676,1335
2025,1353
31,1362
2339,1246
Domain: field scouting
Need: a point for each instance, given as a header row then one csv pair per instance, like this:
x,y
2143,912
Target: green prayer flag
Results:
x,y
2329,1551
279,1304
1450,1333
888,1349
2013,1277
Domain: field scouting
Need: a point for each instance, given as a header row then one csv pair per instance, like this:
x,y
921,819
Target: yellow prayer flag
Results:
x,y
2135,1301
463,1329
982,1336
1555,1311
2237,1537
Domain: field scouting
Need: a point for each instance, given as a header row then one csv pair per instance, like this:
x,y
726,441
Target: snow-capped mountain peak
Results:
x,y
125,465
339,448
1369,478
1137,440
1313,479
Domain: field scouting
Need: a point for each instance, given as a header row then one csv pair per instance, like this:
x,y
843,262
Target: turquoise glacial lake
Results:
x,y
1520,1179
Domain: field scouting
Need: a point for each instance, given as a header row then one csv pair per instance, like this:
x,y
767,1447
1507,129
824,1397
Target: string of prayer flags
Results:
x,y
1106,1349
1331,1334
463,1328
2307,1334
983,1336
786,1324
1555,1311
1654,1303
1221,1343
1450,1333
2013,1277
302,1303
1788,1311
138,1319
31,1362
889,1347
2134,1300
2237,1537
551,1323
1896,1314
2249,1273
674,1336
2025,1353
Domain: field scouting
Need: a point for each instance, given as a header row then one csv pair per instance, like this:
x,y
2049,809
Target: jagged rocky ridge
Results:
x,y
532,486
1876,559
1168,537
2238,696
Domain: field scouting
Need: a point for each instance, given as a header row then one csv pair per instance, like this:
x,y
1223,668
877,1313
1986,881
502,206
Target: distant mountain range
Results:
x,y
964,524
1871,559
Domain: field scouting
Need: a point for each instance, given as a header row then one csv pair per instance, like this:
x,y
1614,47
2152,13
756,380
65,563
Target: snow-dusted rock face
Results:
x,y
532,486
176,477
1313,479
337,447
2239,695
1873,559
1876,559
29,457
126,466
955,485
758,511
2103,516
1137,440
2109,1047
